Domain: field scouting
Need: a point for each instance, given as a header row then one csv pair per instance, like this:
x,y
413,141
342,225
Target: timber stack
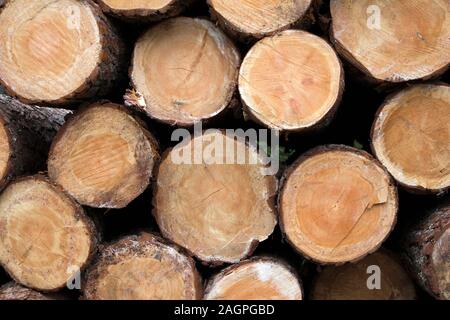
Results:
x,y
224,149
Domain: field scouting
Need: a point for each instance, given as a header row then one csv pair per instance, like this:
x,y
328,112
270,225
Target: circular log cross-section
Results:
x,y
393,41
359,281
143,10
142,267
45,236
337,204
220,210
411,137
255,279
5,153
427,252
26,133
184,70
291,81
102,156
57,52
14,291
258,18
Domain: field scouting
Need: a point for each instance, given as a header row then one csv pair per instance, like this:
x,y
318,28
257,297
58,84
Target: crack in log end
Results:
x,y
337,204
174,60
103,156
292,81
55,58
45,234
217,212
421,28
411,137
367,210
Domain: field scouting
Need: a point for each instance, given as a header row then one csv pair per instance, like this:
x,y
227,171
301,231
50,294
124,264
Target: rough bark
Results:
x,y
57,74
14,291
142,267
46,238
103,156
27,132
426,251
337,204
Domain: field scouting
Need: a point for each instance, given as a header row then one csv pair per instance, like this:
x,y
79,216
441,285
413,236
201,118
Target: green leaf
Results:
x,y
357,144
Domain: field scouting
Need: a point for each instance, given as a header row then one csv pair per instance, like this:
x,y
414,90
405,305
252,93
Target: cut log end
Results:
x,y
143,10
403,50
5,152
102,156
352,281
218,211
411,137
258,18
427,252
45,236
142,267
186,70
291,81
255,279
53,50
337,204
14,291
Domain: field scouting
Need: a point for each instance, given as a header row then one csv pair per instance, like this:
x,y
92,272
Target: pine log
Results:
x,y
426,248
255,19
45,237
411,137
184,70
14,291
219,210
292,81
337,204
142,267
143,11
103,156
393,41
353,281
58,52
259,278
26,133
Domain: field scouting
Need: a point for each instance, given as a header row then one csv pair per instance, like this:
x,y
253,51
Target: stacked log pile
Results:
x,y
99,196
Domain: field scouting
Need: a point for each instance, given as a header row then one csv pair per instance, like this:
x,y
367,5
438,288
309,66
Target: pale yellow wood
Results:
x,y
411,136
49,49
45,239
290,81
393,40
186,69
337,206
256,279
219,212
